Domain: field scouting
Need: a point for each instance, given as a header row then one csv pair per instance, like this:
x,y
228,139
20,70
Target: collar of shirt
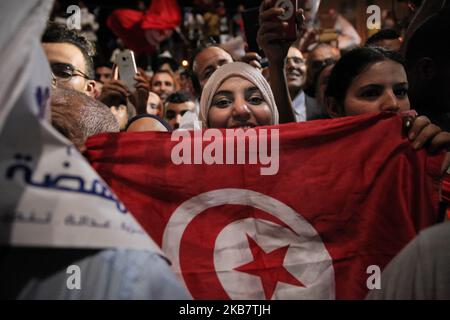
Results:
x,y
299,104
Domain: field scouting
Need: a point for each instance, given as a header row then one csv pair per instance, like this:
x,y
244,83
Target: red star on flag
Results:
x,y
269,267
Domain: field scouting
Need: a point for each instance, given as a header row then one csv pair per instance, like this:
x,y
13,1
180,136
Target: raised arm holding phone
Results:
x,y
279,22
132,87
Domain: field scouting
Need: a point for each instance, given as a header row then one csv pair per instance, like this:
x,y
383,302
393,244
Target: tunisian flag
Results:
x,y
143,31
349,194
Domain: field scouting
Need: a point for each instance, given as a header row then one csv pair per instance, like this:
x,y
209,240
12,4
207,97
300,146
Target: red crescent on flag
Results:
x,y
211,271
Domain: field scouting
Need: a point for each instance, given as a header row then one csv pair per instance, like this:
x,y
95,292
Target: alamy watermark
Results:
x,y
73,281
74,20
374,20
228,147
374,280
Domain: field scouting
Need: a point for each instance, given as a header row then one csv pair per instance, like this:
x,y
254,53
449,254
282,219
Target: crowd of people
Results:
x,y
297,83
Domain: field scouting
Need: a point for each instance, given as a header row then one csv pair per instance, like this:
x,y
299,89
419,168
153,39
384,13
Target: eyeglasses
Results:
x,y
65,71
318,64
295,60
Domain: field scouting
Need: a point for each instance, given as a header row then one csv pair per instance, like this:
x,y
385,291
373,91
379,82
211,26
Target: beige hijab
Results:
x,y
236,69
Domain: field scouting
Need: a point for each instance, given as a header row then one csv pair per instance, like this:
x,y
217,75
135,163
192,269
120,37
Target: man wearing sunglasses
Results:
x,y
321,56
70,57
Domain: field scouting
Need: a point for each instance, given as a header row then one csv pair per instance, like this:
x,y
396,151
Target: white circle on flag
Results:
x,y
307,259
288,9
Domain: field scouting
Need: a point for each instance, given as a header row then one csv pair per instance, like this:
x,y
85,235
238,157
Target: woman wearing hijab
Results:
x,y
237,96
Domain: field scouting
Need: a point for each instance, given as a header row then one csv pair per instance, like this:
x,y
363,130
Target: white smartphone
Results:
x,y
127,68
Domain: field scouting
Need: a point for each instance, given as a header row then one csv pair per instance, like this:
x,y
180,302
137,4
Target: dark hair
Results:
x,y
429,40
325,63
160,61
56,33
385,34
106,64
417,3
178,97
351,65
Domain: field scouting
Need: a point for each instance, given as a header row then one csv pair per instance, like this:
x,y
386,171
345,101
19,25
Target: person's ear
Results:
x,y
333,108
91,89
425,69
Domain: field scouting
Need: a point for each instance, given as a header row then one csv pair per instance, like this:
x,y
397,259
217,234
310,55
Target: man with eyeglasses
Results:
x,y
70,57
320,57
295,69
322,53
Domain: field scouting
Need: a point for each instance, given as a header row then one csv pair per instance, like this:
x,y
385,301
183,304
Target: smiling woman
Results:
x,y
368,80
237,96
374,80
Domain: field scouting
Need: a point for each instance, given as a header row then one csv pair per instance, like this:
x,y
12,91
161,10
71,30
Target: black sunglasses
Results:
x,y
67,71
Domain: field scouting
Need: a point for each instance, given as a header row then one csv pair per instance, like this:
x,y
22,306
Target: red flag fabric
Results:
x,y
348,195
445,193
140,31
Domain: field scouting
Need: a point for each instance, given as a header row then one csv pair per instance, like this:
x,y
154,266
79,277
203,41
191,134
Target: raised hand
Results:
x,y
139,97
114,93
272,31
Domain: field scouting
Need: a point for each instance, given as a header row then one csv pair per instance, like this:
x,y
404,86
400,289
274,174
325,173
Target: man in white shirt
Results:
x,y
305,106
295,69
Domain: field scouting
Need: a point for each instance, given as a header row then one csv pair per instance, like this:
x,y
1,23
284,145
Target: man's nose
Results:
x,y
178,121
289,63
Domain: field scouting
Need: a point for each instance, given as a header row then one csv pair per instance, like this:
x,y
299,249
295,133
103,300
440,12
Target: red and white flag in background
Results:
x,y
143,31
350,193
